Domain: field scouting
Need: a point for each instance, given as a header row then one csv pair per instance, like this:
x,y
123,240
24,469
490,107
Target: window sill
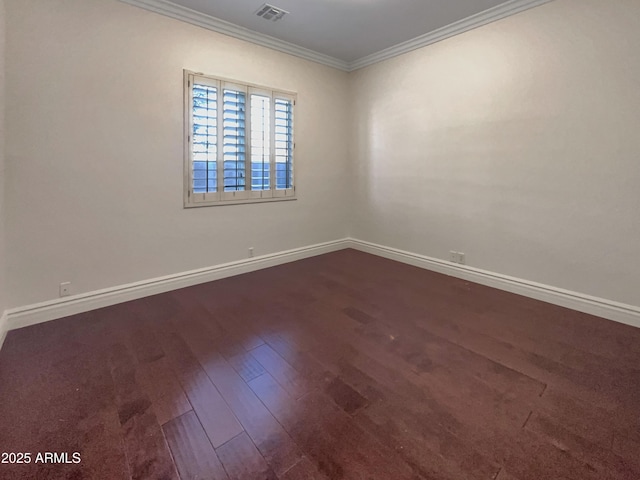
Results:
x,y
244,201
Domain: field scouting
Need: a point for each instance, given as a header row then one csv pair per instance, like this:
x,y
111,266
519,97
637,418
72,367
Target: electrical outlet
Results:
x,y
250,252
457,257
65,289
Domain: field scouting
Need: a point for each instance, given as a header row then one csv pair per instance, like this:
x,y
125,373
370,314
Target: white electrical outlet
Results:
x,y
457,257
250,252
65,289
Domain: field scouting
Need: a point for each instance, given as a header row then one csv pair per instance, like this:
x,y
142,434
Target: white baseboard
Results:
x,y
58,308
63,307
618,312
4,327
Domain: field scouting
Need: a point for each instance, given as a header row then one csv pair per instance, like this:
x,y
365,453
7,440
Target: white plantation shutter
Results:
x,y
203,139
239,142
233,145
260,141
283,126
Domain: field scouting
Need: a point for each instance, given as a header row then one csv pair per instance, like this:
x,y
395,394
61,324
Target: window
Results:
x,y
239,142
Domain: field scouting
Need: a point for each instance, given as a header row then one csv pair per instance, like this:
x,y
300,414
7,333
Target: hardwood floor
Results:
x,y
343,366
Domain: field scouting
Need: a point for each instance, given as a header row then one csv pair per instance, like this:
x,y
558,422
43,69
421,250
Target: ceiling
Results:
x,y
343,32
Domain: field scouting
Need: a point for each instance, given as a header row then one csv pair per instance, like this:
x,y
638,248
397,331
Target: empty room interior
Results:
x,y
329,239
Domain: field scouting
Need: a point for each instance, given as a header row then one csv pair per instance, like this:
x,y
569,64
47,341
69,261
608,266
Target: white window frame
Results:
x,y
220,197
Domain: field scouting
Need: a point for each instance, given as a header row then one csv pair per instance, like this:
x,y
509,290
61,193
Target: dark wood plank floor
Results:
x,y
343,366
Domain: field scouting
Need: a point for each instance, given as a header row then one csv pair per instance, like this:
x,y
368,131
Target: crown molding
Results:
x,y
170,9
483,18
199,19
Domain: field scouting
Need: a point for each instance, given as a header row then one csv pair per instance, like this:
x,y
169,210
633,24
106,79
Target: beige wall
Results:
x,y
3,256
94,149
517,143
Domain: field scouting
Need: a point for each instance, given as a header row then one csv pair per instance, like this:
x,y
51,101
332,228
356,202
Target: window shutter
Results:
x,y
233,144
239,143
283,146
204,138
260,121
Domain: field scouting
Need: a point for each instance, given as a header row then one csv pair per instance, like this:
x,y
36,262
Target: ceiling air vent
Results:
x,y
269,12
